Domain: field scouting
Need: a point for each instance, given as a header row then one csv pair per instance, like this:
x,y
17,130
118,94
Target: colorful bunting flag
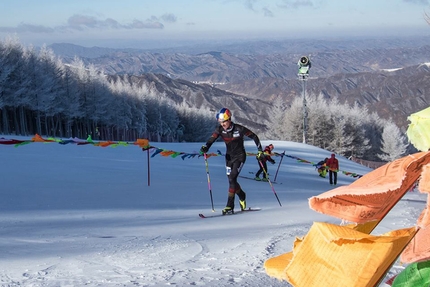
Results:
x,y
144,144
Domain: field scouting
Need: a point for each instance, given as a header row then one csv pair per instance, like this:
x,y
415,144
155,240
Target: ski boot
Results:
x,y
242,199
257,178
265,179
242,204
227,210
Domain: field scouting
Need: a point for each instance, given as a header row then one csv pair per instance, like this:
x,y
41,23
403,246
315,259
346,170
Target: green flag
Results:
x,y
416,274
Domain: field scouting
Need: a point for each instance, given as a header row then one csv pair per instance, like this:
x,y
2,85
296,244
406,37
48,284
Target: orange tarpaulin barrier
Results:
x,y
419,248
373,195
332,255
424,187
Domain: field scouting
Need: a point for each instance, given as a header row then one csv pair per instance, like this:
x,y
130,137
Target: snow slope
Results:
x,y
84,215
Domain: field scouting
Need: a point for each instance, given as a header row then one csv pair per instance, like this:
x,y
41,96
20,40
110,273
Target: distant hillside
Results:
x,y
391,94
248,111
226,67
359,71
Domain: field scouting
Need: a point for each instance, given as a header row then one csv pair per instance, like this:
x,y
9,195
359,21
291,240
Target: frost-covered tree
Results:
x,y
330,125
278,119
293,121
341,141
48,92
195,124
319,123
169,120
99,99
393,143
356,118
70,101
373,126
19,84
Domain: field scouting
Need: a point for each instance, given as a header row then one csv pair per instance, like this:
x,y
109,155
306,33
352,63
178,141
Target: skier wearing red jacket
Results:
x,y
333,167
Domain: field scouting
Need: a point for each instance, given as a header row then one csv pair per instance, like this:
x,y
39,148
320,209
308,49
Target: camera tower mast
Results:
x,y
304,67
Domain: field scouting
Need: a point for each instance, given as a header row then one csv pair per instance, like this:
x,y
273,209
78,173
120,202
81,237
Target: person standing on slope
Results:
x,y
233,136
333,167
267,151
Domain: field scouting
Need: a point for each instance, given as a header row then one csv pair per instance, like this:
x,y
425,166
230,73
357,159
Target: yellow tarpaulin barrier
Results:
x,y
275,266
332,255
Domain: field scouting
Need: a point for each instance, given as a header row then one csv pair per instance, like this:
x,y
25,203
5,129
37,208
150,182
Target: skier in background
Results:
x,y
333,168
322,167
267,151
235,157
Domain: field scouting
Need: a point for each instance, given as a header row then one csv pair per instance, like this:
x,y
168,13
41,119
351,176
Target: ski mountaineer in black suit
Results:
x,y
235,157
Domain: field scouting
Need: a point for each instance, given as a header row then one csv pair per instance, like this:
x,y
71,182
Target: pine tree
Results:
x,y
393,143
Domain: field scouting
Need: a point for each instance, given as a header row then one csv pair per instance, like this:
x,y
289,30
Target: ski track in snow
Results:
x,y
181,259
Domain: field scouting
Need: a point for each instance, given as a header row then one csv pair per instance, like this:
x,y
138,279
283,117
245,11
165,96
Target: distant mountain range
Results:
x,y
388,76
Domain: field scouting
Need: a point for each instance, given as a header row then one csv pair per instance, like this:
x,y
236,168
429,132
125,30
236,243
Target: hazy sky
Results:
x,y
133,22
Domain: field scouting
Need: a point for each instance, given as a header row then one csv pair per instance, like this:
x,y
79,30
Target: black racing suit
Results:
x,y
235,155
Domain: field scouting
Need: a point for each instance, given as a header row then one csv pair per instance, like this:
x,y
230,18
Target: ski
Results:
x,y
236,212
251,178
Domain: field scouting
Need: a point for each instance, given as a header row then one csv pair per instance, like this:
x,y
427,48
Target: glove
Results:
x,y
272,161
260,155
203,149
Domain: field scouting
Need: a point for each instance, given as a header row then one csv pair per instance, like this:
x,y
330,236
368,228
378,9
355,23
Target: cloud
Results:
x,y
80,22
267,12
419,2
170,18
24,28
136,24
295,4
250,4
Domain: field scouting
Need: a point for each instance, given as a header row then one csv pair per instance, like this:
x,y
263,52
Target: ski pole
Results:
x,y
276,174
268,179
209,180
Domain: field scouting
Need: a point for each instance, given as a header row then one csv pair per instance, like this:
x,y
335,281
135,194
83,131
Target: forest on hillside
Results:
x,y
40,94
